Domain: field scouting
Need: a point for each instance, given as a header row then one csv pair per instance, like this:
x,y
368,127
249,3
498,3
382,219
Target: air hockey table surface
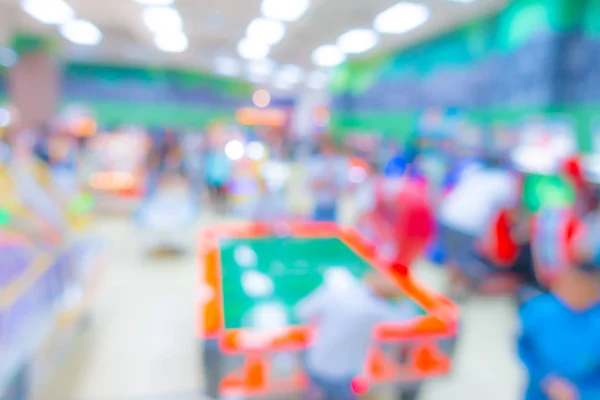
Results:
x,y
251,279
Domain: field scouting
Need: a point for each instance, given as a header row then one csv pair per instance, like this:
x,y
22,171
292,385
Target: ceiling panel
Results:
x,y
214,27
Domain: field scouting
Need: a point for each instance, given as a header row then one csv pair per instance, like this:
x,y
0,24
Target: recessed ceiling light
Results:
x,y
8,57
261,67
284,10
358,41
162,19
402,18
81,32
252,49
257,78
52,12
155,2
283,85
292,74
317,80
328,56
227,66
171,42
266,30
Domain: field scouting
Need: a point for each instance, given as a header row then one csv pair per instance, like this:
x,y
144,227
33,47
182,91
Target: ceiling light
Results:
x,y
234,150
155,2
317,80
8,57
162,19
227,66
284,10
255,78
171,42
81,32
402,18
290,73
328,56
357,41
263,67
266,30
256,151
261,98
252,49
282,84
53,12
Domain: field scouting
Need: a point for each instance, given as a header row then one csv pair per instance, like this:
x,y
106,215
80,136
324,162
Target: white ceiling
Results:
x,y
214,27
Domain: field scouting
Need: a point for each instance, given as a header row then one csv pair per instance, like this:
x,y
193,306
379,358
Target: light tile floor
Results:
x,y
141,345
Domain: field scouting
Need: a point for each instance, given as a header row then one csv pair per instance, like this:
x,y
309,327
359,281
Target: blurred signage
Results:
x,y
261,117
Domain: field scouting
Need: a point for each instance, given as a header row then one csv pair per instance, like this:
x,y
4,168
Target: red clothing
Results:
x,y
414,223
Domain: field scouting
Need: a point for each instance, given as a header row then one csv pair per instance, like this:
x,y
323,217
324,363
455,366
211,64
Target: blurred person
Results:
x,y
396,213
218,172
63,162
272,204
168,211
193,157
328,178
560,329
344,312
165,153
465,215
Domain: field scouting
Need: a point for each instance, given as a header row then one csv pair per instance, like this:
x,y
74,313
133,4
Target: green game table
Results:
x,y
251,280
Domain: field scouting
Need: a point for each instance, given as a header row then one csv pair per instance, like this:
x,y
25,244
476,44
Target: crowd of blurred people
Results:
x,y
491,240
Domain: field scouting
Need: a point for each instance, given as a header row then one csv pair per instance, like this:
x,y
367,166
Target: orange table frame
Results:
x,y
426,360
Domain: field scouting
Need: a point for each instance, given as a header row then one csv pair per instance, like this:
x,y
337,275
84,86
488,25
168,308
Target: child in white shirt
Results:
x,y
344,316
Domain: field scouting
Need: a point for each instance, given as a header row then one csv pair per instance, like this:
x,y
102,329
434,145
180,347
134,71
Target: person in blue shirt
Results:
x,y
218,174
559,343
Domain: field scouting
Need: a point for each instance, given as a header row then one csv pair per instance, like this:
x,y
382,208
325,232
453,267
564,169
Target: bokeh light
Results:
x,y
235,150
261,98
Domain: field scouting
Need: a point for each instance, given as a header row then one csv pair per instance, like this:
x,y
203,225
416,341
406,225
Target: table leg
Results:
x,y
212,361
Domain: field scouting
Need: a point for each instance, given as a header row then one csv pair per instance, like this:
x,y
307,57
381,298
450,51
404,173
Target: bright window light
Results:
x,y
8,57
234,150
402,18
52,12
227,66
155,2
266,30
284,10
81,32
162,19
263,67
358,41
290,73
171,42
328,56
252,49
317,80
